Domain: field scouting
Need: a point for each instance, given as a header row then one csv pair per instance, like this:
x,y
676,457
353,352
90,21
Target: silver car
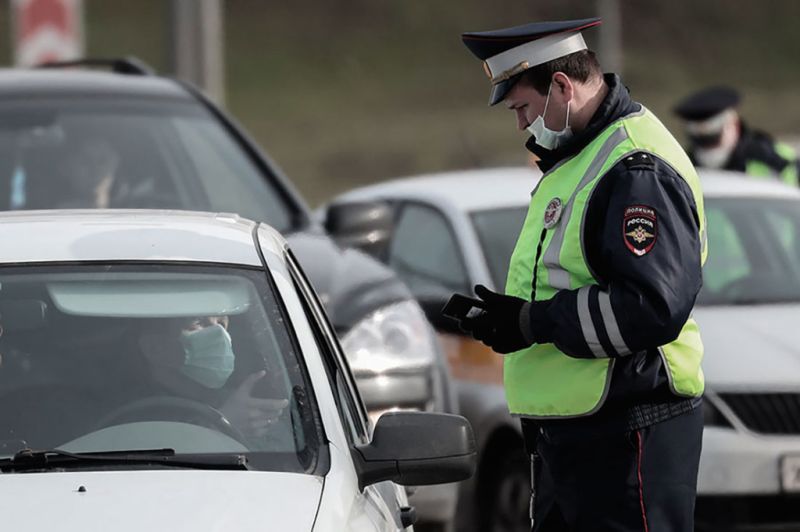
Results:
x,y
452,231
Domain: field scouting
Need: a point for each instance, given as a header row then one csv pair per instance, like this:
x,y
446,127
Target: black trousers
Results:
x,y
644,480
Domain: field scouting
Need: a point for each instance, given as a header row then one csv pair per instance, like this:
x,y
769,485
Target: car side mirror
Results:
x,y
417,449
364,225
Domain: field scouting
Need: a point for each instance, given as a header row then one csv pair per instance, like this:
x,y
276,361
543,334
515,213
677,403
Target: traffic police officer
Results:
x,y
718,138
603,356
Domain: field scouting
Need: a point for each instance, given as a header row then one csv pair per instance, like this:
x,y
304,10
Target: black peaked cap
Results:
x,y
707,102
486,44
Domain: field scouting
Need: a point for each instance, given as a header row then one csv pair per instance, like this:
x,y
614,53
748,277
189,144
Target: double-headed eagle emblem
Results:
x,y
639,234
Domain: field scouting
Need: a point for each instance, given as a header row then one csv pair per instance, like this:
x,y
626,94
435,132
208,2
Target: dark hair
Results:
x,y
579,66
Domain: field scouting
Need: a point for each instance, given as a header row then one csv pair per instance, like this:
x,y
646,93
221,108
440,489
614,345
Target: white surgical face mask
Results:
x,y
715,157
547,138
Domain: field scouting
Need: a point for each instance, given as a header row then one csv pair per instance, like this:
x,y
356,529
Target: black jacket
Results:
x,y
651,295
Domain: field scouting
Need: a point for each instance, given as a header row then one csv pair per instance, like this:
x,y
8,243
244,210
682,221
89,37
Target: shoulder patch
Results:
x,y
639,160
639,229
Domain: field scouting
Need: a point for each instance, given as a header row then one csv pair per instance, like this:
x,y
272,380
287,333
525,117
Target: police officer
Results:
x,y
602,357
719,138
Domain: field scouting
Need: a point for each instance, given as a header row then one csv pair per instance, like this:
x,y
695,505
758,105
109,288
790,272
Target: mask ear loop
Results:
x,y
547,101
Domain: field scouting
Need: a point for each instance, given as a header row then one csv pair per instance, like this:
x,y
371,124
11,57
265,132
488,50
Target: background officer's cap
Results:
x,y
508,52
706,103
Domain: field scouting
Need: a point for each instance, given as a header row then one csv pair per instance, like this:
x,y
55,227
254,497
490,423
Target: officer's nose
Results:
x,y
522,119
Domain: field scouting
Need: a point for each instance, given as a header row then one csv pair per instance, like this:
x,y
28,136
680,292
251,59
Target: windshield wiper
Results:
x,y
29,459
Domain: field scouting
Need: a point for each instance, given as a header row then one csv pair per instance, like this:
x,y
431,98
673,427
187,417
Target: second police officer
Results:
x,y
602,356
719,138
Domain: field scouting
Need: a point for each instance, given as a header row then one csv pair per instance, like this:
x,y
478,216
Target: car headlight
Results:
x,y
395,338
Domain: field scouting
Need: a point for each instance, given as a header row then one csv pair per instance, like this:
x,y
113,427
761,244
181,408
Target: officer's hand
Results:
x,y
498,326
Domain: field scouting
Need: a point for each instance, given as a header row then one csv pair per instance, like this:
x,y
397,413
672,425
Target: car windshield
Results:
x,y
497,232
109,358
110,153
753,255
753,251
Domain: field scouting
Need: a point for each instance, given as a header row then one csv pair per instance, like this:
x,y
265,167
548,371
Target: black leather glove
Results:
x,y
498,326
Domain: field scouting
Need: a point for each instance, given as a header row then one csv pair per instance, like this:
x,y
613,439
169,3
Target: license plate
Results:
x,y
790,473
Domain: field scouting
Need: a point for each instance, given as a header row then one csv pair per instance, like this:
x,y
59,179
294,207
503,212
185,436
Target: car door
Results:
x,y
382,504
425,253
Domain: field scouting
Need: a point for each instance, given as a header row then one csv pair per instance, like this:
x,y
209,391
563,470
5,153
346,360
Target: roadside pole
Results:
x,y
197,41
610,45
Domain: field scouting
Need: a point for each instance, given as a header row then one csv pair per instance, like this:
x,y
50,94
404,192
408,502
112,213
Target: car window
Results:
x,y
727,258
497,231
109,358
111,153
425,253
753,251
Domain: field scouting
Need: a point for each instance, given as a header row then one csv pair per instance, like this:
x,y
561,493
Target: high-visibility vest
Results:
x,y
788,175
541,381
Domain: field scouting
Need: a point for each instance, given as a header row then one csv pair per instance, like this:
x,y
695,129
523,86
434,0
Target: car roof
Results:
x,y
724,184
467,190
17,82
491,188
132,235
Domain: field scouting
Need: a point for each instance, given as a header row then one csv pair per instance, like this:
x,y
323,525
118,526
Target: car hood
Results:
x,y
160,500
350,283
751,347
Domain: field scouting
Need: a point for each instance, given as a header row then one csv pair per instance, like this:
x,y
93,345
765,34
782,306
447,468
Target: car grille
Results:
x,y
767,413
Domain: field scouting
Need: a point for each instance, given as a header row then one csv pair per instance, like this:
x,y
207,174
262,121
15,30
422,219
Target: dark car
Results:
x,y
125,138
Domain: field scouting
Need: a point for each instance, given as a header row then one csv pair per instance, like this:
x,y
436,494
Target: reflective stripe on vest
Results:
x,y
541,381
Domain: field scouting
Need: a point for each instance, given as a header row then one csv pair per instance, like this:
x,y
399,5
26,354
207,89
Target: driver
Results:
x,y
194,358
90,170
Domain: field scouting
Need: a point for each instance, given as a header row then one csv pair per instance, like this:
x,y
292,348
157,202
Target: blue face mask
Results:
x,y
209,355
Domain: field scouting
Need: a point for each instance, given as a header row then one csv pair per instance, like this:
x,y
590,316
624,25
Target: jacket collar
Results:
x,y
616,104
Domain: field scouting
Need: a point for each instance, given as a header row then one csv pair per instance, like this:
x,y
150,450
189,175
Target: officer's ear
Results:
x,y
562,88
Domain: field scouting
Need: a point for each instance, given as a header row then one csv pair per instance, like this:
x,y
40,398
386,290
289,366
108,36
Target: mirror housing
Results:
x,y
417,449
364,225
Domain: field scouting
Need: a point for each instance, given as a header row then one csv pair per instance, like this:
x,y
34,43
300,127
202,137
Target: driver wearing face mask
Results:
x,y
194,358
719,138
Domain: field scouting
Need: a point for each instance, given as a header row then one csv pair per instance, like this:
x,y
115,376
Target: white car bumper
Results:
x,y
734,462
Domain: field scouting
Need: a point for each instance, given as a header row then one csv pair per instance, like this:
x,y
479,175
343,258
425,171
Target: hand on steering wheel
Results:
x,y
164,407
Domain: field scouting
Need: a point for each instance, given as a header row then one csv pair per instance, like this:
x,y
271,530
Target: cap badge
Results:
x,y
552,213
487,70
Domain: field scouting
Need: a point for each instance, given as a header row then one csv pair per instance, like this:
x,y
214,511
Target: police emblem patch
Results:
x,y
639,229
552,213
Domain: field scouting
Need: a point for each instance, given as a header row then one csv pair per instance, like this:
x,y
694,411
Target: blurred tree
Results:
x,y
344,92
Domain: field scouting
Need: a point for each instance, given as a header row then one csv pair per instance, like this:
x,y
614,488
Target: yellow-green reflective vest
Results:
x,y
541,381
789,173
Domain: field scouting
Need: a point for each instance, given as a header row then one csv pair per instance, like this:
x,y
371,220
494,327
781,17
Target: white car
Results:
x,y
452,231
175,371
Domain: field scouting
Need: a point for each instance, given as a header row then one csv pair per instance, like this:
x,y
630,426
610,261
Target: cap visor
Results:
x,y
500,90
